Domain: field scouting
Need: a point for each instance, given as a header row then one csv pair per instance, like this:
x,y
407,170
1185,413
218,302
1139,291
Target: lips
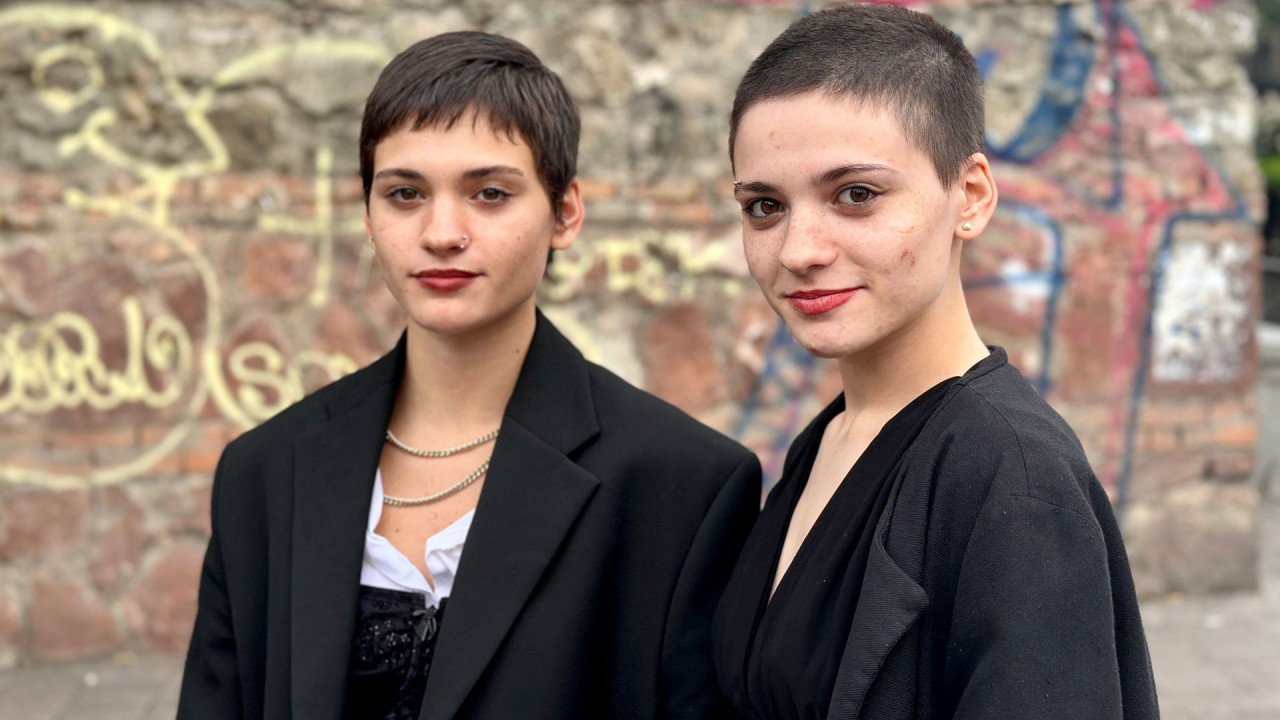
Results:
x,y
445,280
817,302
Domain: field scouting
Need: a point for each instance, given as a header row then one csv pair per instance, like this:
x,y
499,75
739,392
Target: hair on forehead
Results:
x,y
466,76
878,56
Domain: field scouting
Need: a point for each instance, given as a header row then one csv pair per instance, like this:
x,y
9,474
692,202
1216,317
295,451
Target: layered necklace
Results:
x,y
433,497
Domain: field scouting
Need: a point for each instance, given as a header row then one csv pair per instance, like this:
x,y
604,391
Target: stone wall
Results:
x,y
181,256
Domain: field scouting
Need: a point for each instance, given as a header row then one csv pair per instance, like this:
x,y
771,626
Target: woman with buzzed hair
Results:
x,y
937,546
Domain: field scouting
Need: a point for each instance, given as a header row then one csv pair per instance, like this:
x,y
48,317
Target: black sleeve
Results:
x,y
689,685
210,682
1033,627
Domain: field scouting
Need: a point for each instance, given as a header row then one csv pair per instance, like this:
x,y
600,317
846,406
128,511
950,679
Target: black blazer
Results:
x,y
997,584
607,527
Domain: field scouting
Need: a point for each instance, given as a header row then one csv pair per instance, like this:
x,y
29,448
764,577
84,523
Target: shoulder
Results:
x,y
994,434
257,449
655,431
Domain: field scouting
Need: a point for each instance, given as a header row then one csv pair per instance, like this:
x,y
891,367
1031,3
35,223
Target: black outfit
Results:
x,y
993,582
785,648
395,640
606,530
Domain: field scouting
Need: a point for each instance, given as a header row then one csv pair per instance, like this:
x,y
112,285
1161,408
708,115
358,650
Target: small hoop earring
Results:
x,y
966,227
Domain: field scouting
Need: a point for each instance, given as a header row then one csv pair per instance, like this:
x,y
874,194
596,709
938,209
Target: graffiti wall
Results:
x,y
181,256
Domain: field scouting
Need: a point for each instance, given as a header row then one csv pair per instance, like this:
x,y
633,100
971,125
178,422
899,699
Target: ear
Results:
x,y
368,224
980,197
571,216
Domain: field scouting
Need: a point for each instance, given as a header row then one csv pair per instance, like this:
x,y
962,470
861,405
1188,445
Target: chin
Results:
x,y
824,343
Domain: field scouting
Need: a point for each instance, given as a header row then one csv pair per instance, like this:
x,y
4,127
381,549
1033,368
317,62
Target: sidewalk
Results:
x,y
1215,659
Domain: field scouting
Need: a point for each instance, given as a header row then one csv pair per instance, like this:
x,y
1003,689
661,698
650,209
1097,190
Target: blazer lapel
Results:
x,y
532,496
889,604
334,468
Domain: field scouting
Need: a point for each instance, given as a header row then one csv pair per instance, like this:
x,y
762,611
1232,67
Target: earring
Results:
x,y
966,227
370,238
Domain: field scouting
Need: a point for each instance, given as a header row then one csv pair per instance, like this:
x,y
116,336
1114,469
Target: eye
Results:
x,y
856,195
403,195
762,208
492,195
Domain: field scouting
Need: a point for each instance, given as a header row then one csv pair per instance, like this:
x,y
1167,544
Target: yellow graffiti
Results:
x,y
659,267
321,226
55,364
60,100
269,383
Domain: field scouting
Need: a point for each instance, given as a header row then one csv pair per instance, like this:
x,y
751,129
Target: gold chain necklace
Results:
x,y
440,453
401,502
475,474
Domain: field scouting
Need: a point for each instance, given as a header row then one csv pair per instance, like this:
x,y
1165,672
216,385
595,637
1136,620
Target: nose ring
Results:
x,y
445,245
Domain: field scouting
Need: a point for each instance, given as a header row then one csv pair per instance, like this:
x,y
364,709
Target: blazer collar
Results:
x,y
533,494
334,466
532,497
890,604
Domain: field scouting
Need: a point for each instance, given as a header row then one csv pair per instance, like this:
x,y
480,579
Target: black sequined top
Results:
x,y
391,655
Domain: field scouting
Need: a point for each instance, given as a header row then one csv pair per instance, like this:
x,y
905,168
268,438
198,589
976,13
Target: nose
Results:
x,y
445,231
805,246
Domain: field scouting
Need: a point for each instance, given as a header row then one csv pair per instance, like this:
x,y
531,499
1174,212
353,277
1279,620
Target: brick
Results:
x,y
696,214
69,623
161,607
1228,411
680,359
1174,415
343,331
39,524
11,643
201,461
278,269
595,189
23,215
43,187
27,279
190,511
1237,435
117,551
1231,466
96,438
679,192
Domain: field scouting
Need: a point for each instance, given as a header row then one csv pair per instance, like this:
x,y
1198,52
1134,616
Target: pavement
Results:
x,y
1215,658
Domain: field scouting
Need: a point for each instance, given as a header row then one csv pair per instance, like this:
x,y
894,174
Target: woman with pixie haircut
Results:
x,y
937,545
481,524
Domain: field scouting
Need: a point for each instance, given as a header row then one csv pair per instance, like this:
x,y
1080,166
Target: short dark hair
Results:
x,y
439,80
904,60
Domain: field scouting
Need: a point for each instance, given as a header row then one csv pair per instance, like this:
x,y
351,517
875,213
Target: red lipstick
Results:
x,y
444,280
816,302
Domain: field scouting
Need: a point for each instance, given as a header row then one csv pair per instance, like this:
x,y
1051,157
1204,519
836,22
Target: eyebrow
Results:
x,y
402,173
755,188
472,174
834,174
830,176
484,172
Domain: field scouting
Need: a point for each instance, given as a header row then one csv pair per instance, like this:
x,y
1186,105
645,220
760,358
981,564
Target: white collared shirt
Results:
x,y
386,567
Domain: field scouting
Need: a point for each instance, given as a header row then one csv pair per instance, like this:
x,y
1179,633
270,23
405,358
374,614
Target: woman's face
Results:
x,y
846,226
433,186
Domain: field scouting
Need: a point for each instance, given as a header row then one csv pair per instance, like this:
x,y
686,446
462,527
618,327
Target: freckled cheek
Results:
x,y
758,263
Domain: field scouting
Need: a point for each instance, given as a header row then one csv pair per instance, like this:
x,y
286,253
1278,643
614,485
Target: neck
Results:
x,y
457,386
940,344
